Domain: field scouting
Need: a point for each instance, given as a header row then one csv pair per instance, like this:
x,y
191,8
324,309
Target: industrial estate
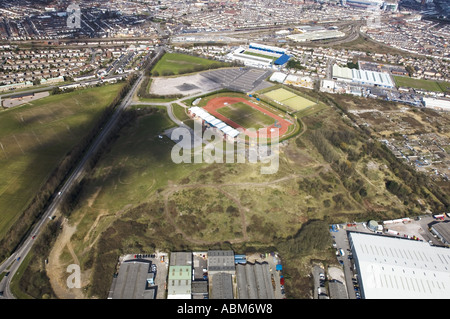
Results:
x,y
134,137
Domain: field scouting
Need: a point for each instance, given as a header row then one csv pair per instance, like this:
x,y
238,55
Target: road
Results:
x,y
13,263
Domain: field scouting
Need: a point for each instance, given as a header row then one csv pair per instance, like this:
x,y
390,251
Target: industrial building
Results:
x,y
363,77
254,281
221,271
442,231
398,268
316,35
179,282
221,261
365,3
437,103
222,286
179,276
213,274
134,281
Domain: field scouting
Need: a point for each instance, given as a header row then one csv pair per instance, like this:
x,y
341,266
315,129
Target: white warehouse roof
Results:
x,y
363,76
397,268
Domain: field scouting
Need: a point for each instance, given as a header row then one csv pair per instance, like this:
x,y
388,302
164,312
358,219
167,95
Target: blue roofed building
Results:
x,y
282,59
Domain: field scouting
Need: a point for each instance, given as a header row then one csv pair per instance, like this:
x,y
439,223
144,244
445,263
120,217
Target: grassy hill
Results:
x,y
35,137
137,200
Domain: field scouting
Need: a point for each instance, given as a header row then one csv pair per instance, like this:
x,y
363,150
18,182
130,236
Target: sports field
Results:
x,y
290,99
177,63
240,113
428,85
246,116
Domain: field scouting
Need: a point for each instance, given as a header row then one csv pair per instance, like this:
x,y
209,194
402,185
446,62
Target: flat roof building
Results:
x,y
397,268
133,281
222,286
380,79
179,282
442,231
221,261
180,276
254,281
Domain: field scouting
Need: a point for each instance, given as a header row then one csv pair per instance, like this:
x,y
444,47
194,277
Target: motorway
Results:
x,y
13,263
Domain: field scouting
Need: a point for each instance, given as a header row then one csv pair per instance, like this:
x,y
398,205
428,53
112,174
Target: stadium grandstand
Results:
x,y
260,56
267,48
211,121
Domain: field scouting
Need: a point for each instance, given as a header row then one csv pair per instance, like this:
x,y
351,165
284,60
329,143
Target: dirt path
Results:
x,y
57,271
242,209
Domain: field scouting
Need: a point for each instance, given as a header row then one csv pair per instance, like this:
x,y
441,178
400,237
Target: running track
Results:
x,y
219,102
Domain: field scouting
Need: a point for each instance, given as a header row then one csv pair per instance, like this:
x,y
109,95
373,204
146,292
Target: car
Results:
x,y
6,275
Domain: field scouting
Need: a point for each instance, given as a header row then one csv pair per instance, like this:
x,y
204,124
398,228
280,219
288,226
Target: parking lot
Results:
x,y
238,79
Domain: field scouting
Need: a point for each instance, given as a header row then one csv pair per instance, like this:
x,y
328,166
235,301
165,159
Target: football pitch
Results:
x,y
289,99
246,116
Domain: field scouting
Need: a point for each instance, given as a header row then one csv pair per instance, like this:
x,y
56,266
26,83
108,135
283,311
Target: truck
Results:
x,y
341,252
439,217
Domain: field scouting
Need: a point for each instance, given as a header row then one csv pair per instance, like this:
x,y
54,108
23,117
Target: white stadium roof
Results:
x,y
212,120
397,268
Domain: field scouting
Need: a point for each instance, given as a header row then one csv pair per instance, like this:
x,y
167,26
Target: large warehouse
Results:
x,y
380,79
398,268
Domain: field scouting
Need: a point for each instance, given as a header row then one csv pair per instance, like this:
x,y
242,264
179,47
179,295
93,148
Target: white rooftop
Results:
x,y
198,111
396,268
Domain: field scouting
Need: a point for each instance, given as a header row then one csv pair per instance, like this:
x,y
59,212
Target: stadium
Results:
x,y
235,117
260,56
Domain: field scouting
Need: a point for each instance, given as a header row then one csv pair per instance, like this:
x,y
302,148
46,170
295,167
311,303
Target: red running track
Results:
x,y
219,102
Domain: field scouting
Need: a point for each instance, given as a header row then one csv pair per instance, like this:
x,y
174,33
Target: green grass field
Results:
x,y
35,137
177,63
290,99
261,55
429,85
246,116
